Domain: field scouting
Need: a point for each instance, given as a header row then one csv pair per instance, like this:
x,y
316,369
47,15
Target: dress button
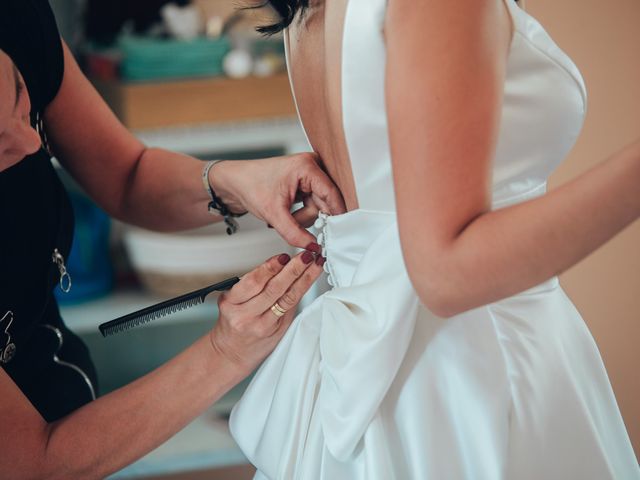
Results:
x,y
321,239
319,223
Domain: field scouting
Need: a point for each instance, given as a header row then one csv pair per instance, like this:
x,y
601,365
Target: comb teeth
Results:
x,y
148,317
164,308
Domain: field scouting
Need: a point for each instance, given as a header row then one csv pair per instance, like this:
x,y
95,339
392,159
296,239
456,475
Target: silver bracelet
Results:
x,y
216,206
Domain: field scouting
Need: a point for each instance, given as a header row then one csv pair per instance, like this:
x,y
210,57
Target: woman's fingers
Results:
x,y
288,228
290,299
279,326
314,181
280,284
326,195
306,215
302,178
246,332
252,283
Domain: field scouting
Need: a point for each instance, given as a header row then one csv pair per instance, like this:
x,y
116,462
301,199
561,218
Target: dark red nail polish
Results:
x,y
284,259
269,225
307,257
314,247
320,260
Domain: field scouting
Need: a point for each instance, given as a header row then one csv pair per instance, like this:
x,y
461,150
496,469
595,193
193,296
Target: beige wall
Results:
x,y
603,38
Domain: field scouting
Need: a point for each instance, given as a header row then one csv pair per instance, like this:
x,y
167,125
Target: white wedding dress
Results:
x,y
369,384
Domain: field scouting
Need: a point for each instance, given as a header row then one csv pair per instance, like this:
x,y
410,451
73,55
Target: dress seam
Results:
x,y
508,381
558,64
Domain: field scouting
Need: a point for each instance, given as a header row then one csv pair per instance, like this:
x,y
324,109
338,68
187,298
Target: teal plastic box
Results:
x,y
145,59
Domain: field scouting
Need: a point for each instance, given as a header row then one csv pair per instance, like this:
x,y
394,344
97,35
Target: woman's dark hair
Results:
x,y
287,11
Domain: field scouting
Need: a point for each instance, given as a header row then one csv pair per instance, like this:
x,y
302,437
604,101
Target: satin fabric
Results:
x,y
369,384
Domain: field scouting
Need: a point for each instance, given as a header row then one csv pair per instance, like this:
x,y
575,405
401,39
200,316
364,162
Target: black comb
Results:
x,y
163,309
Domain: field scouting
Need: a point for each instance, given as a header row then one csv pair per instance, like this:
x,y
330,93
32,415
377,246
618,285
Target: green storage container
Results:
x,y
145,59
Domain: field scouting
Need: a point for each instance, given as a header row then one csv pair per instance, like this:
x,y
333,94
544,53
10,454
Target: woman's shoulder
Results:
x,y
29,35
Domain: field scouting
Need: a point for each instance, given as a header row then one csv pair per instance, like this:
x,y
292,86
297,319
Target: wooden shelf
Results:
x,y
143,106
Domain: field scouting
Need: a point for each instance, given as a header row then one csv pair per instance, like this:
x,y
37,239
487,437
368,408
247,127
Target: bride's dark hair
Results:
x,y
287,11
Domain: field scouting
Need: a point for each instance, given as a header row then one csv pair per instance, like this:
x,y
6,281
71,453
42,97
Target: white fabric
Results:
x,y
368,384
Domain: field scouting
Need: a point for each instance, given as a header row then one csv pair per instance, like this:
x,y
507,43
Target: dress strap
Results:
x,y
363,103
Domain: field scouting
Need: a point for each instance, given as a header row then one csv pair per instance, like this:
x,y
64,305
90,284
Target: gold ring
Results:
x,y
277,310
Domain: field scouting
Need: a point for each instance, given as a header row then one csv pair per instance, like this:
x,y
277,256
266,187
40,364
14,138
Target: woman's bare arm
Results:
x,y
163,190
445,78
116,429
113,431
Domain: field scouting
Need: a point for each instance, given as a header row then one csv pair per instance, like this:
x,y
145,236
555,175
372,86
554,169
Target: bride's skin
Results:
x,y
445,76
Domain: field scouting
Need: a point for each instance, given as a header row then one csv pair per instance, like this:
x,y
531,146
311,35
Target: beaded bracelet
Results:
x,y
216,206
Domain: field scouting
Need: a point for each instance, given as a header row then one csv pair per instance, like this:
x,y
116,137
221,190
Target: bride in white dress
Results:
x,y
446,348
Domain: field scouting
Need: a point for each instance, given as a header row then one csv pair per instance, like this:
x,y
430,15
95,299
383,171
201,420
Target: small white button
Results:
x,y
321,239
319,223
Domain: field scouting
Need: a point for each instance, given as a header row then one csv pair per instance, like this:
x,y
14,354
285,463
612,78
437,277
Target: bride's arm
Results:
x,y
446,70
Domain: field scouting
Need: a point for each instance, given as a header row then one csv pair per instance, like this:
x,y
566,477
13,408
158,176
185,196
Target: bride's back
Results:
x,y
315,61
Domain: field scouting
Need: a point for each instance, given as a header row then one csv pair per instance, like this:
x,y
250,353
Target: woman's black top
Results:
x,y
47,362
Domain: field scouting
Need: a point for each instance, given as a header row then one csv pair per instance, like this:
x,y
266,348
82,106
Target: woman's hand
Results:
x,y
268,188
83,444
162,190
248,329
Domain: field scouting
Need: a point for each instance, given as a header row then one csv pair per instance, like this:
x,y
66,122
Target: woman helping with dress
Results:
x,y
52,424
446,348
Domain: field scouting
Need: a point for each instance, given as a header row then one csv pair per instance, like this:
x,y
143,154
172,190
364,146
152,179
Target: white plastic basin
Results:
x,y
173,263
